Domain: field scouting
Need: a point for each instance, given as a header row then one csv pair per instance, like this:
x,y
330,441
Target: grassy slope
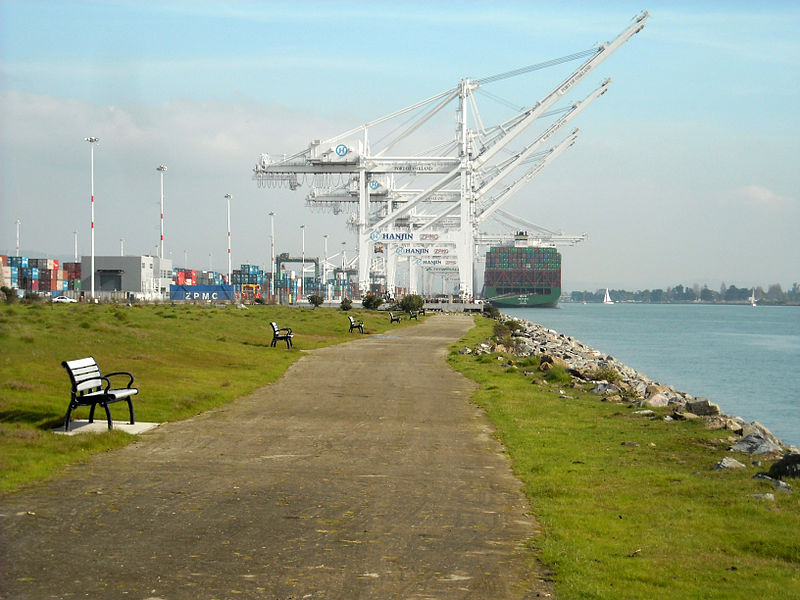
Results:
x,y
651,520
186,359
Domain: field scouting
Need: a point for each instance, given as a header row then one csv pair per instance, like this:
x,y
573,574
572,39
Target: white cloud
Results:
x,y
764,197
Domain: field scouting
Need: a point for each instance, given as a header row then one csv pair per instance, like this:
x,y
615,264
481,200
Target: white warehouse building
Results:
x,y
147,277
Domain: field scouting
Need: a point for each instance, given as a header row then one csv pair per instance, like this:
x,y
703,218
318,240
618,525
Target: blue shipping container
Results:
x,y
201,293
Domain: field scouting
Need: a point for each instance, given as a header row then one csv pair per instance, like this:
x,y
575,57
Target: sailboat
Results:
x,y
607,298
753,298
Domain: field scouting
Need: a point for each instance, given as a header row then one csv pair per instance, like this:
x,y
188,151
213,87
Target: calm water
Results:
x,y
745,359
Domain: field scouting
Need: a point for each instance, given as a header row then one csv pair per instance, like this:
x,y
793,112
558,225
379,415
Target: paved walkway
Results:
x,y
363,473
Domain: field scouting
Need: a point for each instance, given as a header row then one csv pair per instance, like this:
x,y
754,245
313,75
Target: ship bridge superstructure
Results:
x,y
411,198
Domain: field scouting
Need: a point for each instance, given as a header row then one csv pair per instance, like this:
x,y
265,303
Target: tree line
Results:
x,y
773,295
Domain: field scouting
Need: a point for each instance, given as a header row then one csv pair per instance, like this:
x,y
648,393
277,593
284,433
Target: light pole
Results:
x,y
186,259
325,268
75,233
272,254
122,246
162,169
228,198
18,224
344,268
92,141
302,260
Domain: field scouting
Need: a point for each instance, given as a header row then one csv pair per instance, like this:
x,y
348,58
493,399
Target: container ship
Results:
x,y
522,275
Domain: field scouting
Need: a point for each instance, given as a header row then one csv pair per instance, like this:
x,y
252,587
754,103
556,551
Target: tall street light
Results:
x,y
162,169
302,260
325,269
228,198
92,141
272,254
18,223
75,233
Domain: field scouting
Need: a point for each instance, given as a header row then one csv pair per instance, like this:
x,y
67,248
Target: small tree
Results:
x,y
371,301
412,302
315,300
346,304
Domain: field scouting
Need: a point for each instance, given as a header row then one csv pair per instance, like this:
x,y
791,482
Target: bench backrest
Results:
x,y
352,320
84,374
274,327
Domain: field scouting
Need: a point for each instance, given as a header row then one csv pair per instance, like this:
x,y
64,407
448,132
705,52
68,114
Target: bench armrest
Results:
x,y
108,375
288,330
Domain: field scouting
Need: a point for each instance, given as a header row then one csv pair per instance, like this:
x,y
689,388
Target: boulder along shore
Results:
x,y
615,381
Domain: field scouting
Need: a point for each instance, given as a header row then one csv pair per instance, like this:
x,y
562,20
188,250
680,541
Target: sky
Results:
x,y
685,172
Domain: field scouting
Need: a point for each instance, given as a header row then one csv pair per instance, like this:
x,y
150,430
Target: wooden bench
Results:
x,y
92,388
281,333
393,319
355,324
412,315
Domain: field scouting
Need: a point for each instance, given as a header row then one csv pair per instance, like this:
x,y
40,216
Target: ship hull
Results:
x,y
523,299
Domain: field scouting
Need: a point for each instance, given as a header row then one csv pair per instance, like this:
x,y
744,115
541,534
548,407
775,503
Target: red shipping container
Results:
x,y
181,277
55,263
34,283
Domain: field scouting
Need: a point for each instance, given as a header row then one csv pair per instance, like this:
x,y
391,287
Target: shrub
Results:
x,y
412,302
315,300
371,301
609,374
346,304
11,297
491,311
557,374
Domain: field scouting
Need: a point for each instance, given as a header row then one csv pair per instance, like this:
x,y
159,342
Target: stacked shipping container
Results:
x,y
529,271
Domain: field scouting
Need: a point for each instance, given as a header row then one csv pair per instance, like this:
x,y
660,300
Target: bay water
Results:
x,y
745,359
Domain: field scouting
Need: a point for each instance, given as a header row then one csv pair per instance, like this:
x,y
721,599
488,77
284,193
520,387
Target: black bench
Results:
x,y
90,388
393,319
412,315
281,333
355,324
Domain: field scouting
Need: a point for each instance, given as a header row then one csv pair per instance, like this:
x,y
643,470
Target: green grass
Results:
x,y
186,360
651,520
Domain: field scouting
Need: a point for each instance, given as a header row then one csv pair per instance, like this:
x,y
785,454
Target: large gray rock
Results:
x,y
729,463
788,466
755,443
656,401
702,407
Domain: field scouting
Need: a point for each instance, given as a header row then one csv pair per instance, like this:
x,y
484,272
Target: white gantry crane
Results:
x,y
427,205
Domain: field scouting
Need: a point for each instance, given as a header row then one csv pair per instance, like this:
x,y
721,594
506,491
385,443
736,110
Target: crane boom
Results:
x,y
590,65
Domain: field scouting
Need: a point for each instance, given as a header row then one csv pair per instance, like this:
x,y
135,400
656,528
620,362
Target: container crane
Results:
x,y
463,180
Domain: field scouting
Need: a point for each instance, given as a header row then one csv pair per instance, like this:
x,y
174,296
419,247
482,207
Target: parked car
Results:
x,y
64,299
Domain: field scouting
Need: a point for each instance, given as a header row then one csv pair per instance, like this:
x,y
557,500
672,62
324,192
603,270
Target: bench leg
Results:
x,y
68,417
288,343
130,410
91,413
108,414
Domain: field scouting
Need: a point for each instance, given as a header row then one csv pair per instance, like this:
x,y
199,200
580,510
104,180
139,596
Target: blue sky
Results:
x,y
684,172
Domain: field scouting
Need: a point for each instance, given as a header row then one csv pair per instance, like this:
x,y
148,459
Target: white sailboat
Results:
x,y
753,298
607,298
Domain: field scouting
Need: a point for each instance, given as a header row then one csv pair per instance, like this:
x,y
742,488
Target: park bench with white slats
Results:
x,y
281,333
393,319
356,324
91,388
